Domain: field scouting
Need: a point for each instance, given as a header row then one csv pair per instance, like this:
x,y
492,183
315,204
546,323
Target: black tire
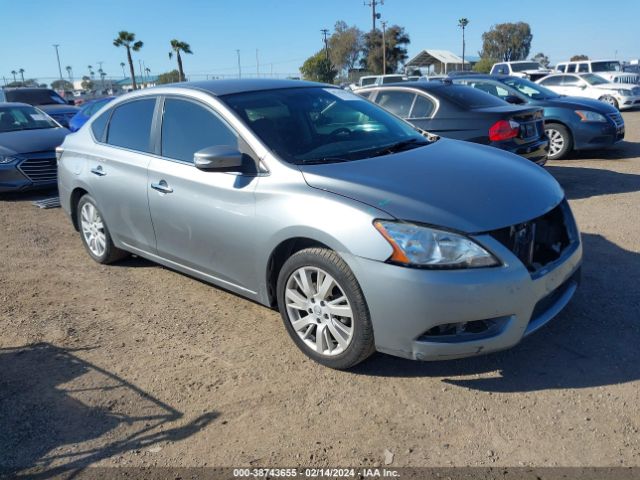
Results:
x,y
362,343
567,140
111,252
610,100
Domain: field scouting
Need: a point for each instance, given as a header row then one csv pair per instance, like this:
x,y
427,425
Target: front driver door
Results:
x,y
203,220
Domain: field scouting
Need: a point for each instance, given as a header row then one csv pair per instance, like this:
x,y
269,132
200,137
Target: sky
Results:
x,y
286,32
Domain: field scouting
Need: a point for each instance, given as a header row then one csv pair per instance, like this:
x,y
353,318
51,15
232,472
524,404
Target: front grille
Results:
x,y
617,119
541,241
40,168
627,79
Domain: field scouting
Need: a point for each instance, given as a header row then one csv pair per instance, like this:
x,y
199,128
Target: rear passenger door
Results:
x,y
118,171
203,220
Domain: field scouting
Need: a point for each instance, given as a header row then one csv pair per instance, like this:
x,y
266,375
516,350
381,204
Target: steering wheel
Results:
x,y
339,131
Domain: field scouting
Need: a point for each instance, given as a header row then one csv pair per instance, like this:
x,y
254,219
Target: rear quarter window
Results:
x,y
130,125
99,124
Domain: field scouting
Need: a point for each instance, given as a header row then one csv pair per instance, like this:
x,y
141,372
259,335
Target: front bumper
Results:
x,y
594,135
13,177
624,103
535,151
405,303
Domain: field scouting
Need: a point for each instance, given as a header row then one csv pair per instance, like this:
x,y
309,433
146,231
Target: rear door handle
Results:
x,y
98,171
162,187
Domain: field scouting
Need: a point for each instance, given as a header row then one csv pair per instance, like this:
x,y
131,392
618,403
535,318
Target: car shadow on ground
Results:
x,y
29,195
619,151
583,182
593,342
40,413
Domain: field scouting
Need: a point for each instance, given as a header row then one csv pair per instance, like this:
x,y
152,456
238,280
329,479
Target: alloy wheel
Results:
x,y
93,229
556,141
319,311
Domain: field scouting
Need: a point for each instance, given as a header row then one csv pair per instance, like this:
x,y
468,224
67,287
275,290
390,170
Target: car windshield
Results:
x,y
322,125
519,67
16,118
35,97
592,79
606,67
530,89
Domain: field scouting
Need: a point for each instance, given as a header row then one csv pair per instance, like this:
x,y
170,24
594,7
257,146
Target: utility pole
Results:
x,y
239,67
56,45
141,72
325,32
384,47
374,16
462,23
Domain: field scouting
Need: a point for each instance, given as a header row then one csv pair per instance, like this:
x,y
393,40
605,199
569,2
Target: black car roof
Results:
x,y
228,87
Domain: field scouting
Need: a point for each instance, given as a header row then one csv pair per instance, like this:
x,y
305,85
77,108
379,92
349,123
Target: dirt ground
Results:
x,y
136,365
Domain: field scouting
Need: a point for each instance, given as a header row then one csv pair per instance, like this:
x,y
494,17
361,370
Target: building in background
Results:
x,y
439,62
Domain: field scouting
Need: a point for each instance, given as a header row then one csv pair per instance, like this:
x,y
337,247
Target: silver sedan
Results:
x,y
364,232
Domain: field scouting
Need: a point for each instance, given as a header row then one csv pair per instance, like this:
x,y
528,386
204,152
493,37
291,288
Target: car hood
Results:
x,y
453,184
26,141
577,103
58,109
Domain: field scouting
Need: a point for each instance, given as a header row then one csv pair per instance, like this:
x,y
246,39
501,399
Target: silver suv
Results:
x,y
364,232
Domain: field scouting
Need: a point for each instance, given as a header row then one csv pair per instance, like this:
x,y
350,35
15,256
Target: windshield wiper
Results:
x,y
401,146
317,161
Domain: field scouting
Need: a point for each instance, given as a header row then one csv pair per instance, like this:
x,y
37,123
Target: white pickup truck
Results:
x,y
523,69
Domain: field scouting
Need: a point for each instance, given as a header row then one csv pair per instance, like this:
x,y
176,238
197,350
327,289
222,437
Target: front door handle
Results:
x,y
98,171
162,187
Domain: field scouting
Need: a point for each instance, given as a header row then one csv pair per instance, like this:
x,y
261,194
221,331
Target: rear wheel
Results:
x,y
324,310
95,234
560,141
610,100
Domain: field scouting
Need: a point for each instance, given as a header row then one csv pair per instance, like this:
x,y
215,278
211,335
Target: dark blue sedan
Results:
x,y
86,111
571,123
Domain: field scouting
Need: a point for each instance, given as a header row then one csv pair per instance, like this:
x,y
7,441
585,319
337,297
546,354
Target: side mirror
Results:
x,y
219,158
513,99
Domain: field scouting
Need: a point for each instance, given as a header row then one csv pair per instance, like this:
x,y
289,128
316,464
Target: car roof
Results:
x,y
420,84
228,87
14,104
25,89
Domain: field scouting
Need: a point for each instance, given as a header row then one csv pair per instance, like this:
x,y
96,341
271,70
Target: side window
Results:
x,y
423,107
130,125
571,68
365,94
396,102
552,81
570,80
188,127
583,67
99,125
561,67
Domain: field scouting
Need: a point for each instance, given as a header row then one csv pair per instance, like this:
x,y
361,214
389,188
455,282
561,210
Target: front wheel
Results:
x,y
95,234
560,142
610,100
324,310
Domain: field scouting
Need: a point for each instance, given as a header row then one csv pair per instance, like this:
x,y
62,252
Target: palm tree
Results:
x,y
462,23
14,73
68,69
177,46
128,40
22,75
124,75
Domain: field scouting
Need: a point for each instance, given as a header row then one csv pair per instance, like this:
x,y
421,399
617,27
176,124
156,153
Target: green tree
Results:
x,y
63,85
169,77
318,68
577,58
128,40
542,59
507,42
345,47
397,41
484,65
87,84
177,46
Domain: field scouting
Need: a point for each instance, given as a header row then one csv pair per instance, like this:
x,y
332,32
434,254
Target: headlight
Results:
x,y
589,116
6,159
624,93
430,248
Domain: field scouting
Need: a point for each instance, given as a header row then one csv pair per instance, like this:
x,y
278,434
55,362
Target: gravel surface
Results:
x,y
137,365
